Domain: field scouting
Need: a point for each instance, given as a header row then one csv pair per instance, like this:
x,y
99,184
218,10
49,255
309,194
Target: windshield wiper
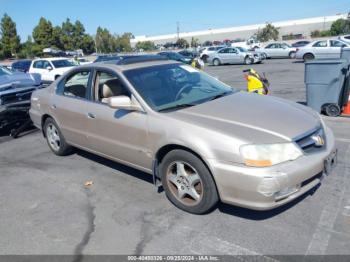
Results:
x,y
178,106
220,95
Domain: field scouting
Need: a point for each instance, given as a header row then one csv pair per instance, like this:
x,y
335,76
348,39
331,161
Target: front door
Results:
x,y
68,106
119,134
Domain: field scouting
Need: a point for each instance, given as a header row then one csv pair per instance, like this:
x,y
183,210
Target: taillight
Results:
x,y
297,50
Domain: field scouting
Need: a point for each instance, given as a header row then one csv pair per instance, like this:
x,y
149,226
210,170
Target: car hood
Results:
x,y
19,79
240,112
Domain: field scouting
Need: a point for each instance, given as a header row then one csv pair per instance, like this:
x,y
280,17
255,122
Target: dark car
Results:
x,y
15,93
189,54
22,65
300,43
176,57
103,58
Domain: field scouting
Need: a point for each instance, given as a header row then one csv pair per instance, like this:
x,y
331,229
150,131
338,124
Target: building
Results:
x,y
300,28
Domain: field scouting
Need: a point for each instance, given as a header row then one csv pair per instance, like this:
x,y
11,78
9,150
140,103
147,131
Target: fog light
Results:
x,y
285,192
268,186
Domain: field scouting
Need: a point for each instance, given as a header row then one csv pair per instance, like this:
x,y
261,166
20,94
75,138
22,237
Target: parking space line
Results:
x,y
320,239
343,140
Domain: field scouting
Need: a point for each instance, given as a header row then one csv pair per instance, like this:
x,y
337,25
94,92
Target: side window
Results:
x,y
108,85
335,43
76,85
232,51
270,46
223,51
320,44
46,64
38,64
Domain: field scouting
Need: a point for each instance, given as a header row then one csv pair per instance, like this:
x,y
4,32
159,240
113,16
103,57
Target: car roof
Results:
x,y
125,67
51,58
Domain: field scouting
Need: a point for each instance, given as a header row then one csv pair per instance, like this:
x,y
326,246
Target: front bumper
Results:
x,y
268,188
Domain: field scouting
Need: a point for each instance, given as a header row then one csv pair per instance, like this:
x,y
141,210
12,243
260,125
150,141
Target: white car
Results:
x,y
278,50
206,51
50,68
321,49
345,38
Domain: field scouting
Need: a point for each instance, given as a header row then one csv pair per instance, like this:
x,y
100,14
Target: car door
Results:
x,y
116,133
234,56
284,50
38,68
69,106
335,48
270,50
320,49
223,55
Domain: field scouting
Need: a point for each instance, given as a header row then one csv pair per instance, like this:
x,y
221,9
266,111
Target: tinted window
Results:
x,y
38,64
347,37
62,63
320,44
223,51
76,84
4,71
46,64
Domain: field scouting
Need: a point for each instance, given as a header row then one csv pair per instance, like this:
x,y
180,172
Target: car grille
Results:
x,y
16,97
313,141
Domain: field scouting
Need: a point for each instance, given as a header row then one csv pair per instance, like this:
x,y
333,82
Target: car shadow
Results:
x,y
6,131
263,215
298,62
116,166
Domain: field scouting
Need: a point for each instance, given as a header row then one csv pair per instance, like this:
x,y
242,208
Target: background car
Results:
x,y
232,55
22,65
206,51
278,50
345,38
300,43
50,68
189,53
321,49
103,58
176,57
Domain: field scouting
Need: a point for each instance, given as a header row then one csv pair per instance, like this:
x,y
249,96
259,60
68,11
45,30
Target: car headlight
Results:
x,y
265,155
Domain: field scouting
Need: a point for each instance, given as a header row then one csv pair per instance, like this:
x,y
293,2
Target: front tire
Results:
x,y
216,62
55,139
292,55
188,183
248,61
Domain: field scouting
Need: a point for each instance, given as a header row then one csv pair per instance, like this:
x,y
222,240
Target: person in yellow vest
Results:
x,y
256,83
197,63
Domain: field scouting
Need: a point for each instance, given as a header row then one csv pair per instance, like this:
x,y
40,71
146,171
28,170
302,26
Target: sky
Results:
x,y
153,17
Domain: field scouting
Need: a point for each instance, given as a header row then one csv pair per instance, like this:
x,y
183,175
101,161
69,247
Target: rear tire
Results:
x,y
332,110
55,139
216,62
308,57
187,182
56,77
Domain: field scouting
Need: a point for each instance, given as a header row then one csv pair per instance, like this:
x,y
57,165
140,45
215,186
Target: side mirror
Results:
x,y
49,68
122,102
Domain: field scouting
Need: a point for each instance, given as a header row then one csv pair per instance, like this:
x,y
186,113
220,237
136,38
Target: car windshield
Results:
x,y
174,86
62,63
4,71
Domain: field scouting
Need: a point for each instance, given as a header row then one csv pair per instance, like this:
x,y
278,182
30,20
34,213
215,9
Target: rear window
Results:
x,y
62,63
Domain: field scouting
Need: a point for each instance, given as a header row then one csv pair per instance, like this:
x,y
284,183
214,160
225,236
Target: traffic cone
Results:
x,y
346,110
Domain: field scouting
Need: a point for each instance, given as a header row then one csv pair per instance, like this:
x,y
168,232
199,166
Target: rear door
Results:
x,y
116,133
68,106
335,48
235,57
224,55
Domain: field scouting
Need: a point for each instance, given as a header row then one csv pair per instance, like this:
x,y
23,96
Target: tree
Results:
x,y
43,34
122,42
145,46
105,42
10,41
269,32
182,43
340,27
194,42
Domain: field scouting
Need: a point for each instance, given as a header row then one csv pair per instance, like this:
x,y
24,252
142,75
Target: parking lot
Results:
x,y
46,208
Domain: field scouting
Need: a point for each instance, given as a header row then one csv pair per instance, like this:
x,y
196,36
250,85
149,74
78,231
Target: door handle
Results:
x,y
53,106
91,115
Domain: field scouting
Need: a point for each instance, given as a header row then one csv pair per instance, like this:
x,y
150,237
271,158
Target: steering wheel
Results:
x,y
182,90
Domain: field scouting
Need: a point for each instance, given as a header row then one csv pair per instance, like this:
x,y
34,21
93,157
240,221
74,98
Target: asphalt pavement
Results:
x,y
45,207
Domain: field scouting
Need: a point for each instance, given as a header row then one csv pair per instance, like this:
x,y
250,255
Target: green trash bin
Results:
x,y
325,80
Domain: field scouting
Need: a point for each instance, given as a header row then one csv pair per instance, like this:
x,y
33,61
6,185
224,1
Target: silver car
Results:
x,y
321,49
278,50
233,55
201,139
